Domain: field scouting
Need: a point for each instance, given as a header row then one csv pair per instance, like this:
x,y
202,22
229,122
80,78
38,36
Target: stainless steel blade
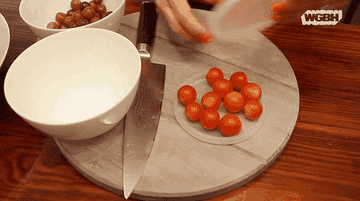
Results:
x,y
141,124
143,117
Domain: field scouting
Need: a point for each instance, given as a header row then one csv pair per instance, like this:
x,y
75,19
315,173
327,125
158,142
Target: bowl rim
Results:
x,y
44,40
5,40
61,30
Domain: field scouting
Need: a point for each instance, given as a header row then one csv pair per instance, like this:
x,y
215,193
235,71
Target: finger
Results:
x,y
211,2
172,21
187,19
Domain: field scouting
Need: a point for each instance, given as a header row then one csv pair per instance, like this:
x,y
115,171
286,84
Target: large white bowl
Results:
x,y
76,84
38,13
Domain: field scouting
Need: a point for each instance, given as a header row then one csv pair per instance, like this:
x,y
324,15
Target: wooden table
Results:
x,y
320,162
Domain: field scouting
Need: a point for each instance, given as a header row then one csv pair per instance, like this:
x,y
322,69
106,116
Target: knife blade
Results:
x,y
141,121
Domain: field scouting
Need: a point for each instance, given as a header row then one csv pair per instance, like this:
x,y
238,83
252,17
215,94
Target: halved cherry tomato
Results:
x,y
234,102
186,94
230,125
211,100
222,87
210,119
251,91
253,110
213,75
193,111
239,79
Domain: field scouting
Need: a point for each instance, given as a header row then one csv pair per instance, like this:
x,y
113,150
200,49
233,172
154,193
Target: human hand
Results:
x,y
182,20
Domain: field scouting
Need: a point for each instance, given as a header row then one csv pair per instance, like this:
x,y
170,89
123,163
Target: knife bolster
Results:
x,y
144,50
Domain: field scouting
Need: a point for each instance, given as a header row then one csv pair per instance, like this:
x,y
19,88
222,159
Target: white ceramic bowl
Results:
x,y
38,13
4,39
76,84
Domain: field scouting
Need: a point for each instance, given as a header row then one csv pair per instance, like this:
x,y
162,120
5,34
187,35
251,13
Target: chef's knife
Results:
x,y
142,119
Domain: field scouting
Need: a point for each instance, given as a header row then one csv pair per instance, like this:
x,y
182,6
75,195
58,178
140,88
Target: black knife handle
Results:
x,y
147,24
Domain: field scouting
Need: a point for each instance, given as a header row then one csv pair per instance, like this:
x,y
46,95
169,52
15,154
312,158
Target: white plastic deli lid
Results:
x,y
234,17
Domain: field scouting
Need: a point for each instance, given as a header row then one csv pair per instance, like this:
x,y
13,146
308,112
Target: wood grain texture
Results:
x,y
320,162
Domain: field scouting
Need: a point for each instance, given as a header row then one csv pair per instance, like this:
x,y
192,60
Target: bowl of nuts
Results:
x,y
46,17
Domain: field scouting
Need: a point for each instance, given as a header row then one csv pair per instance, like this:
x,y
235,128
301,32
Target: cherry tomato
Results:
x,y
82,22
234,102
84,5
72,25
253,110
230,125
251,91
193,111
239,80
98,1
67,21
93,4
76,16
70,12
213,75
222,87
53,25
60,17
210,119
211,100
101,9
76,4
88,12
186,94
108,13
103,15
95,18
278,7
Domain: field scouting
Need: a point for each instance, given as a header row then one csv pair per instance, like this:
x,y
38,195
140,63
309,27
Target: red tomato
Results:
x,y
211,100
93,4
210,119
101,9
253,110
222,87
89,12
193,111
230,125
239,80
213,75
186,94
60,17
76,4
251,91
77,16
234,102
53,25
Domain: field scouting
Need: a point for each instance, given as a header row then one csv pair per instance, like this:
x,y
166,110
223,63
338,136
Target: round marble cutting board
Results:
x,y
181,165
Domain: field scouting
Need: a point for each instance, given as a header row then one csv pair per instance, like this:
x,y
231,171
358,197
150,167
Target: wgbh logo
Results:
x,y
321,17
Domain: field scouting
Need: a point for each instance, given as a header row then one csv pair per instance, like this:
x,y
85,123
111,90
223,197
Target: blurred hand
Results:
x,y
182,20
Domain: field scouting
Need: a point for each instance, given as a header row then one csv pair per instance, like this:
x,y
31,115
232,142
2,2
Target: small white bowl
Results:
x,y
38,13
76,84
